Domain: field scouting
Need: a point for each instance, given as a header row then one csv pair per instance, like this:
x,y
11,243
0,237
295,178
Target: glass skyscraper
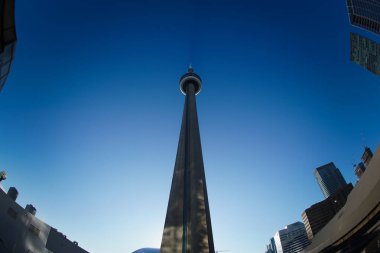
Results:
x,y
365,14
292,239
271,248
329,179
365,52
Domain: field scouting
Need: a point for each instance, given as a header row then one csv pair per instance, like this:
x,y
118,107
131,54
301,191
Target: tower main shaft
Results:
x,y
188,223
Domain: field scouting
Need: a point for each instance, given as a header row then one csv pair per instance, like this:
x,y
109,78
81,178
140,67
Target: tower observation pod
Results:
x,y
190,78
188,224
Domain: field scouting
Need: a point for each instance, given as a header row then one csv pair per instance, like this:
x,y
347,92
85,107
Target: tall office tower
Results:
x,y
359,170
188,223
273,245
366,159
271,248
319,214
7,38
329,179
367,156
365,14
365,52
292,239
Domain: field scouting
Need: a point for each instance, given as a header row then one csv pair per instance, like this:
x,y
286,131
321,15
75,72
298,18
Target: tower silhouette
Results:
x,y
188,223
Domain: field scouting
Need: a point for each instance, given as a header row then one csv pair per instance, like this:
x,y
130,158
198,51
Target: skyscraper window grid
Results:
x,y
365,14
329,179
365,52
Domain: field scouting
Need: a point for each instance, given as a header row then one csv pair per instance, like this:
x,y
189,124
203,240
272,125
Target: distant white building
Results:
x,y
292,239
22,232
147,250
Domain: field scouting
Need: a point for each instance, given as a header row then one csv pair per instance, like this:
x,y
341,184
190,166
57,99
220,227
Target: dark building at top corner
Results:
x,y
365,14
365,52
7,38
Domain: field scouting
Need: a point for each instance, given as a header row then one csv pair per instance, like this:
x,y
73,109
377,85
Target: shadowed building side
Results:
x,y
22,232
188,223
319,214
329,179
7,38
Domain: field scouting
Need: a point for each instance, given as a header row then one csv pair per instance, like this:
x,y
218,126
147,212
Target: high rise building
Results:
x,y
319,214
367,156
188,224
359,170
292,239
365,52
7,38
271,248
365,14
329,179
362,166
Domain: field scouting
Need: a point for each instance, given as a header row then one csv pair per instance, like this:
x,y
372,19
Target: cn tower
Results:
x,y
188,223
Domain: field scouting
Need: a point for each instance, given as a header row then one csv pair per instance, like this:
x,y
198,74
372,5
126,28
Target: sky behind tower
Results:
x,y
91,113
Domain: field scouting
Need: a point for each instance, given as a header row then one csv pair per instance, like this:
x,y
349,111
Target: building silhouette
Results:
x,y
356,227
319,214
365,14
365,52
7,38
292,239
22,232
329,179
188,224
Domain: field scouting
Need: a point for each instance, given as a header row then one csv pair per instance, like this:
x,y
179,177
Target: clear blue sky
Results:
x,y
91,113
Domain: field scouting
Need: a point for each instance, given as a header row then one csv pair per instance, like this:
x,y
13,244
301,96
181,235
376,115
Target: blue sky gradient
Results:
x,y
91,113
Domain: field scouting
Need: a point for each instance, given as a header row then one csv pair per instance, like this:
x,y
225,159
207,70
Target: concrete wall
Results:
x,y
22,232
